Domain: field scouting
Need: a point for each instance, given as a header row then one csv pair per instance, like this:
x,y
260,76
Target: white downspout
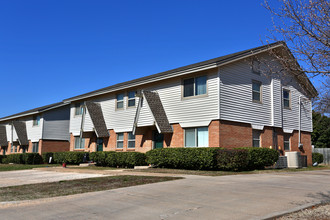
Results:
x,y
299,140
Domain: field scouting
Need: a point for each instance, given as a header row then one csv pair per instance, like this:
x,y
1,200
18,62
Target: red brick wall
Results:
x,y
53,146
306,141
234,134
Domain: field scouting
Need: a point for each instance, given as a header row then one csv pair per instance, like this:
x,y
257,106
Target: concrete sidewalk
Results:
x,y
254,196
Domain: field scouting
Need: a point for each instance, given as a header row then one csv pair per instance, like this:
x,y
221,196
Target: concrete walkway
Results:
x,y
254,196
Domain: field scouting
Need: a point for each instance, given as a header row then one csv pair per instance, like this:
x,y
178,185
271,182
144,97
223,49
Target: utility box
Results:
x,y
293,159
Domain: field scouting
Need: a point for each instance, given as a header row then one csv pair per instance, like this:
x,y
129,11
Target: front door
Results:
x,y
158,140
24,149
99,143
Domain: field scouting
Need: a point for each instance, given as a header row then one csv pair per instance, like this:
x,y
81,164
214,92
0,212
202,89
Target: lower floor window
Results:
x,y
35,147
120,140
197,137
15,148
12,148
131,140
79,143
255,138
286,142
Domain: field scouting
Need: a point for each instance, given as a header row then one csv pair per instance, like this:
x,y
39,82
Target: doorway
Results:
x,y
99,144
158,140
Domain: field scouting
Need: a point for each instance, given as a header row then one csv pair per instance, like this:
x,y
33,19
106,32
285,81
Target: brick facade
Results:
x,y
226,134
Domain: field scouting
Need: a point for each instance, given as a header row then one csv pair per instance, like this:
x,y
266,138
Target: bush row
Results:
x,y
213,158
317,157
118,159
68,157
27,158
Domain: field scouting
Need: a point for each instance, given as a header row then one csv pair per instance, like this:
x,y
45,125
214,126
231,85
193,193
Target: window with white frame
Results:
x,y
131,140
196,137
120,140
15,148
256,138
79,108
12,148
131,99
194,86
256,91
120,101
286,98
35,147
287,142
36,120
79,143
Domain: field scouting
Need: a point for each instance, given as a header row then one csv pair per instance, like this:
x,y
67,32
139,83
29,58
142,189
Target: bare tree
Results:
x,y
305,26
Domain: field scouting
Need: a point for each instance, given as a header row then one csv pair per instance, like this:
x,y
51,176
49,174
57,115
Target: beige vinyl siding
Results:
x,y
34,133
277,100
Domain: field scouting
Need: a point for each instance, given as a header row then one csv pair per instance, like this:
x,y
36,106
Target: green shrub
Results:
x,y
183,158
31,158
100,157
69,157
25,158
46,156
317,157
232,159
2,157
259,158
125,159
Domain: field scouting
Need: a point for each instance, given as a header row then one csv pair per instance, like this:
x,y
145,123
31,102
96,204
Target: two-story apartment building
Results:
x,y
230,101
43,129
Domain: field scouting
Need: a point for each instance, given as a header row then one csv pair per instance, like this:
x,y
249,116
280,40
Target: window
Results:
x,y
35,147
15,148
79,109
256,138
120,140
131,140
286,98
36,120
197,137
256,91
120,101
12,148
79,144
287,142
194,86
131,99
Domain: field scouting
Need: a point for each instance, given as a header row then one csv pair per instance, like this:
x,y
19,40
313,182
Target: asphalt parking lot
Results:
x,y
255,196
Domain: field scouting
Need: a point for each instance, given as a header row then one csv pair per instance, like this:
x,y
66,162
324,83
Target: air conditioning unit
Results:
x,y
293,159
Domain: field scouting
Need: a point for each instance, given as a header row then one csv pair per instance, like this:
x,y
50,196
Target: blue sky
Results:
x,y
55,49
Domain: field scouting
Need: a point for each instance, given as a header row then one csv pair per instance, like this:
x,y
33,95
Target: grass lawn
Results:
x,y
69,187
11,167
93,168
223,173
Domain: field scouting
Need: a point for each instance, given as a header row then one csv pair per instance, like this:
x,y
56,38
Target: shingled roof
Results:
x,y
212,63
95,112
157,111
3,136
20,128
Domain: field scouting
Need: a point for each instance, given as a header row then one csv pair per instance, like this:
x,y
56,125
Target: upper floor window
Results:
x,y
255,138
36,120
120,101
287,142
256,91
79,109
131,99
79,143
286,98
120,140
194,86
131,140
197,137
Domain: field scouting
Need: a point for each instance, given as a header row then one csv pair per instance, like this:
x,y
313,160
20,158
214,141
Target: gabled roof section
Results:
x,y
20,128
158,112
3,136
208,64
34,111
95,112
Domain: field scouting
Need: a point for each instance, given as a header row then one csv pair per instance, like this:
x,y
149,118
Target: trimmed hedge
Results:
x,y
233,159
69,157
118,159
259,158
46,156
26,158
317,157
210,158
184,158
2,157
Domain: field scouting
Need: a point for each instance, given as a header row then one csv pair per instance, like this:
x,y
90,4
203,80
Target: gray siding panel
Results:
x,y
56,124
